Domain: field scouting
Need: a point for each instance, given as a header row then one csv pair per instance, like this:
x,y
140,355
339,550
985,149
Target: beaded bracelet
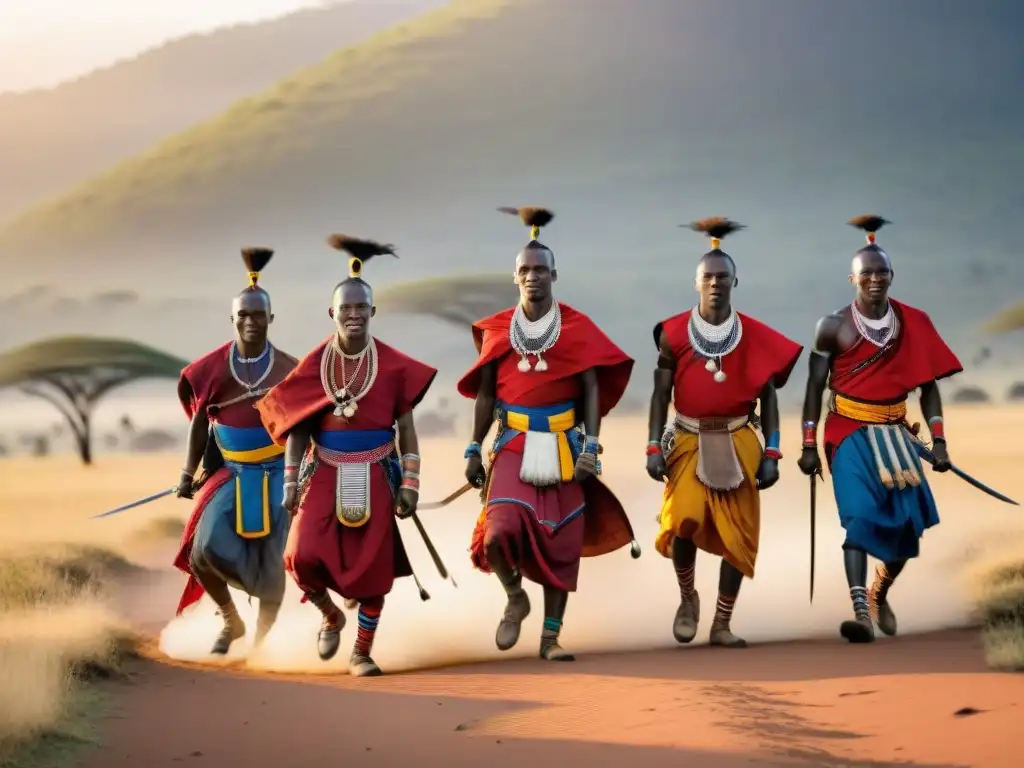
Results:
x,y
771,446
810,434
411,472
591,445
653,448
936,427
473,449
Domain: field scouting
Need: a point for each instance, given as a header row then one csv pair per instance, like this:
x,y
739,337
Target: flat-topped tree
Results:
x,y
74,372
1009,320
459,300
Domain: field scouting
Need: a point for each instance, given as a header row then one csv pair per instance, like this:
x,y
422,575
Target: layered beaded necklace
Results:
x,y
355,385
714,342
879,332
534,337
234,358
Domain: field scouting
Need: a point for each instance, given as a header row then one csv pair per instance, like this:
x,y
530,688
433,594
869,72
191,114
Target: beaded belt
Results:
x,y
869,413
352,496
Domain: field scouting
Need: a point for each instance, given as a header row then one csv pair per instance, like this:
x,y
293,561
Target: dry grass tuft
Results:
x,y
55,634
56,574
997,584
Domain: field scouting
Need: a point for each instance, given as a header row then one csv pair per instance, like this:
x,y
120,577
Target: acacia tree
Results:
x,y
74,372
1010,319
459,300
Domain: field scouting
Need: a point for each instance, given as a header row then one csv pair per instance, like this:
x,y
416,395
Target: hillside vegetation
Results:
x,y
65,134
628,118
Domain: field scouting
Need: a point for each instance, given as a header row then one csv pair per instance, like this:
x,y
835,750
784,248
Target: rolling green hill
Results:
x,y
59,136
627,117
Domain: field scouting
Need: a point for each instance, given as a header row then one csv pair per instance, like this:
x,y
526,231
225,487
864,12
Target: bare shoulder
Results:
x,y
826,332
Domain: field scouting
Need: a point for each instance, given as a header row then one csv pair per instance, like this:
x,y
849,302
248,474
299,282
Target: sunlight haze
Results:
x,y
49,41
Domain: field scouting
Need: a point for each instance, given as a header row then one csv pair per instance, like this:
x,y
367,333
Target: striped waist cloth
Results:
x,y
560,417
246,445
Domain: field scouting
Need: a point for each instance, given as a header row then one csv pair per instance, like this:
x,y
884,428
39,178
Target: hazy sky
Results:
x,y
43,42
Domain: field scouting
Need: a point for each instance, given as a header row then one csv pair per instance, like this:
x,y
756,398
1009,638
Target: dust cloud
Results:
x,y
625,604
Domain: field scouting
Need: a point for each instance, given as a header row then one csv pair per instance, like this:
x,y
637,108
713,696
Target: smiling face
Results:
x,y
351,309
716,277
251,316
535,273
871,274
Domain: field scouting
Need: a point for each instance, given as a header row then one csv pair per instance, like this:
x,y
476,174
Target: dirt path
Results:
x,y
825,704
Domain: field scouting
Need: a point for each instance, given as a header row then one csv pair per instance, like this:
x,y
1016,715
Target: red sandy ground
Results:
x,y
922,701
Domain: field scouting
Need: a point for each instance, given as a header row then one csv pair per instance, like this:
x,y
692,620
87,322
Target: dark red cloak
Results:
x,y
763,355
204,383
321,553
581,346
871,374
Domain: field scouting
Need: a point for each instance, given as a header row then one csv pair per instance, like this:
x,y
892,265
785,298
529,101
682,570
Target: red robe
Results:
x,y
763,355
604,527
358,563
205,383
915,357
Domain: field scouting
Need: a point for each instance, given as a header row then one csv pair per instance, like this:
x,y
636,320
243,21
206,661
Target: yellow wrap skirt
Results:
x,y
722,523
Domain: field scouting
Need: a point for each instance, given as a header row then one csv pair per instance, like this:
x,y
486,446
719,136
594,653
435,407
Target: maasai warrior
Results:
x,y
714,364
872,354
548,375
238,528
342,402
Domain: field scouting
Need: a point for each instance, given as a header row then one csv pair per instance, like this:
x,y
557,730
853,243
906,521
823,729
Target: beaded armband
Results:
x,y
653,447
411,472
473,449
810,434
591,445
935,426
771,447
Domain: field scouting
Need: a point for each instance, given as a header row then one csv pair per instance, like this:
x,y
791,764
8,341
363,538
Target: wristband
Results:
x,y
590,445
935,426
772,453
411,467
810,434
653,448
291,467
473,449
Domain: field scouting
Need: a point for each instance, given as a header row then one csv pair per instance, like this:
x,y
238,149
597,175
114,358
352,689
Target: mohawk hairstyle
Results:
x,y
870,222
716,227
533,217
256,260
360,251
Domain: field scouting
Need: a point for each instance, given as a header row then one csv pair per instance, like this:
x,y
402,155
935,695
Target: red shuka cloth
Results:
x,y
203,383
321,553
915,357
763,355
604,527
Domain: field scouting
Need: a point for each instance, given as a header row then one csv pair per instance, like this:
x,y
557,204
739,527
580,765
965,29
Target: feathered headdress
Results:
x,y
870,223
359,251
717,228
256,260
533,217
